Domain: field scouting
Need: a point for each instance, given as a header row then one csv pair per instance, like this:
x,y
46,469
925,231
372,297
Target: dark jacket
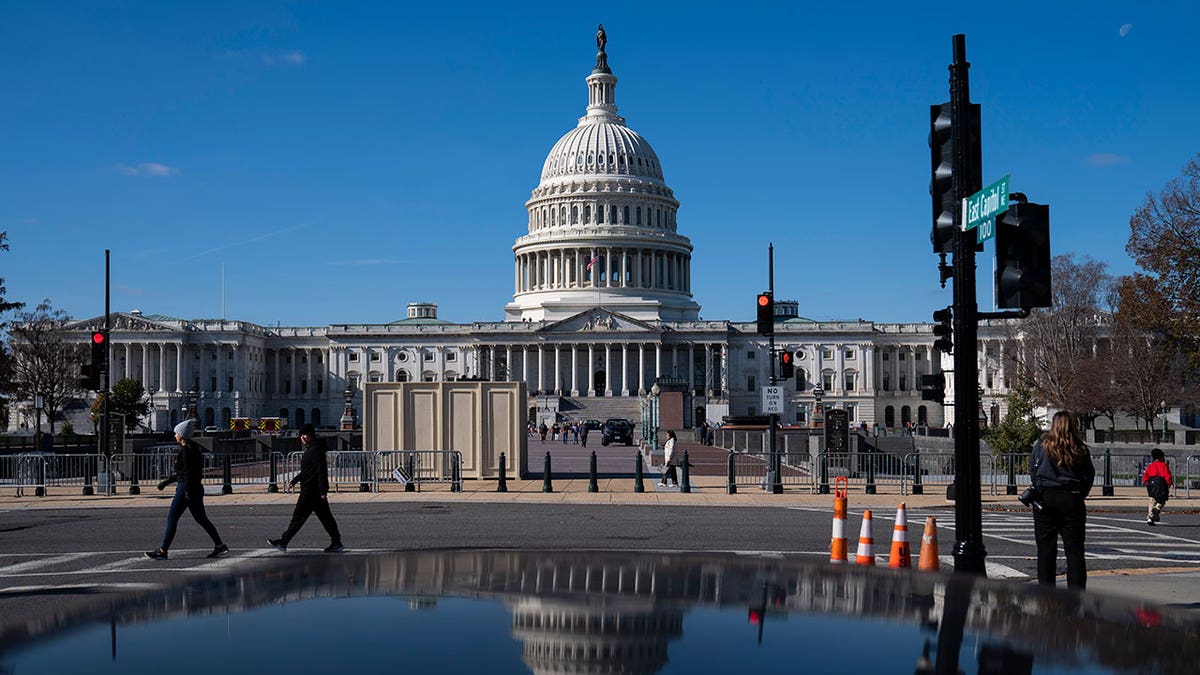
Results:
x,y
189,467
1045,474
314,469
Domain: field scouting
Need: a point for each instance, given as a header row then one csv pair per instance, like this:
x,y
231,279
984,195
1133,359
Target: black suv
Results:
x,y
617,431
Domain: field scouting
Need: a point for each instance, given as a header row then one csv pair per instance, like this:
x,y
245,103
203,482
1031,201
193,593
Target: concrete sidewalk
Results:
x,y
707,491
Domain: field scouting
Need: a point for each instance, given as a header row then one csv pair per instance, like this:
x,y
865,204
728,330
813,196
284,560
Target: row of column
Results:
x,y
582,213
533,364
613,268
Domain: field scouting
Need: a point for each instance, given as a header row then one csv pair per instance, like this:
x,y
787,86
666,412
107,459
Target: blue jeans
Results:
x,y
184,501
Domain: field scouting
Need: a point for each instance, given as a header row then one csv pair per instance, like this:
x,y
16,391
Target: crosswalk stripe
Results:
x,y
44,562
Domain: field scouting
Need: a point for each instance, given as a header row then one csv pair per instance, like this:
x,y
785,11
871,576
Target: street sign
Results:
x,y
985,205
772,400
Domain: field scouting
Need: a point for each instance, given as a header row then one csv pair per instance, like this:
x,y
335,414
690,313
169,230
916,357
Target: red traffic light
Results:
x,y
764,300
786,357
98,337
756,616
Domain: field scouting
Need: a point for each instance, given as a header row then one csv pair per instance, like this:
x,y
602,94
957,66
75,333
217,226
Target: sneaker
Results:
x,y
1150,522
662,485
218,551
157,554
277,544
1156,517
334,548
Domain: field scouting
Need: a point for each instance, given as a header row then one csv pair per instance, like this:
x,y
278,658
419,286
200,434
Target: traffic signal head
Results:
x,y
1023,256
943,328
766,313
99,350
941,183
933,387
89,377
787,365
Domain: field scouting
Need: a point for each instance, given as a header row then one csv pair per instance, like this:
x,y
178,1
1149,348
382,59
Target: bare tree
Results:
x,y
1056,349
45,362
5,355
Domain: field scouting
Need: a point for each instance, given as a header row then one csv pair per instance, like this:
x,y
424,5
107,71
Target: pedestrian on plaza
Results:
x,y
314,493
189,493
669,462
566,431
1061,470
575,432
554,432
1158,482
542,430
583,432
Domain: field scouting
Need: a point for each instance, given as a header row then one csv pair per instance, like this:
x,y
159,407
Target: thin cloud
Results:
x,y
130,290
243,242
362,262
288,58
268,57
1106,159
152,169
1125,29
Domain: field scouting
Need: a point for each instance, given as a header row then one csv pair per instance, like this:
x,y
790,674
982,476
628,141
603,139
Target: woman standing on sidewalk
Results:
x,y
189,494
1061,469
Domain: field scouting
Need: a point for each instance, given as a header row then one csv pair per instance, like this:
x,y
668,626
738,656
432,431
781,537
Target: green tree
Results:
x,y
129,401
1020,428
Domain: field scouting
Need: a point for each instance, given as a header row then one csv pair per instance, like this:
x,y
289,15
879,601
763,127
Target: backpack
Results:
x,y
1158,489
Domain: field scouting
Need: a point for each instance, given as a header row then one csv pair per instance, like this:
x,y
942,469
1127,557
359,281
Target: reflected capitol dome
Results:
x,y
564,636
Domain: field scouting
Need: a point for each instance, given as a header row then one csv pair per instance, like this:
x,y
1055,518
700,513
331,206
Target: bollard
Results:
x,y
917,488
637,473
823,488
1011,488
592,485
227,487
685,484
410,463
40,490
364,475
88,490
134,487
455,473
1107,489
730,478
870,487
546,486
502,484
273,486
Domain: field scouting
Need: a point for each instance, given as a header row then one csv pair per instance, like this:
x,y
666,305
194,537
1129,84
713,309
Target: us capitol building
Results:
x,y
602,308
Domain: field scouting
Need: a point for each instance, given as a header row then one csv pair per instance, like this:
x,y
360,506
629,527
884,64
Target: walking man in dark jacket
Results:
x,y
314,493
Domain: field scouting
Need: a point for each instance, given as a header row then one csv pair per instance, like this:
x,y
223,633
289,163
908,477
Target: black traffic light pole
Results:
x,y
969,552
105,441
773,419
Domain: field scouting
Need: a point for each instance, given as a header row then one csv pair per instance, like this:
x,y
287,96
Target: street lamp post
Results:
x,y
870,487
151,407
347,421
818,421
1163,407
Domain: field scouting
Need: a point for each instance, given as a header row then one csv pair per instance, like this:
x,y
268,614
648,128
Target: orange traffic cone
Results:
x,y
866,542
900,556
929,548
837,545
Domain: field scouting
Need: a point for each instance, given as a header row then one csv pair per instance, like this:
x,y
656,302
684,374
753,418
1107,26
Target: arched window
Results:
x,y
316,417
922,416
639,215
574,214
889,416
612,214
905,415
626,221
553,219
587,213
299,417
600,214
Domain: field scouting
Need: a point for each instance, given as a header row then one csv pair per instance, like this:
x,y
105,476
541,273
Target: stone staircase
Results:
x,y
601,408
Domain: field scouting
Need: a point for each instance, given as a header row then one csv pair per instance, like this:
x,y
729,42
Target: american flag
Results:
x,y
591,262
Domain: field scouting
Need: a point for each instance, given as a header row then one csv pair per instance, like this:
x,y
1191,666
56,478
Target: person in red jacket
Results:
x,y
1158,482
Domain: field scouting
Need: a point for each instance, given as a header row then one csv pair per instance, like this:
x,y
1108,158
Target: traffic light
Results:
x,y
1023,256
766,313
943,329
91,372
787,365
933,387
941,184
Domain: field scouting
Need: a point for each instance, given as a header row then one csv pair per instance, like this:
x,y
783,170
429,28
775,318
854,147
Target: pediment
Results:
x,y
124,322
600,320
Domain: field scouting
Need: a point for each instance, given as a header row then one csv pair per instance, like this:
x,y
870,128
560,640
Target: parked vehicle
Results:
x,y
617,431
592,425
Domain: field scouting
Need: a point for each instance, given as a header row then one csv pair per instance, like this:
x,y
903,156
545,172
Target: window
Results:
x,y
452,356
376,357
802,415
826,353
849,380
402,357
827,381
917,356
303,386
887,356
901,356
750,355
850,354
851,412
887,382
903,382
353,357
429,358
373,377
801,379
750,410
750,383
320,386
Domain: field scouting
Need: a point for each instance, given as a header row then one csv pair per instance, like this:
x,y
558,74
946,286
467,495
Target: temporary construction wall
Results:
x,y
478,419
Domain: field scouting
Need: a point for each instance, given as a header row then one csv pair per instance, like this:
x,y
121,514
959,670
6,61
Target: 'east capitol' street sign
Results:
x,y
982,207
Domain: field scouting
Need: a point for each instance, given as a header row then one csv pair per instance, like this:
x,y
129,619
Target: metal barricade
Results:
x,y
24,472
860,469
934,468
79,472
401,468
352,467
1192,472
246,470
749,470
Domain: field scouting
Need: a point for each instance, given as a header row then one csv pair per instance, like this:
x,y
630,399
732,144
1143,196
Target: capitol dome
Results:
x,y
602,224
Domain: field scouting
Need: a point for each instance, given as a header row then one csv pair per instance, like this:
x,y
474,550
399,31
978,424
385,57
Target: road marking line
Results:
x,y
124,563
129,586
45,562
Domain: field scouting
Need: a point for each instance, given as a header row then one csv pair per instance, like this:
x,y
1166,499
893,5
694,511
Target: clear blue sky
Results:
x,y
343,159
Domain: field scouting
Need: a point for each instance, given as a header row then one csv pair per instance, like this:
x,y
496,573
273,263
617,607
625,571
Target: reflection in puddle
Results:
x,y
550,612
